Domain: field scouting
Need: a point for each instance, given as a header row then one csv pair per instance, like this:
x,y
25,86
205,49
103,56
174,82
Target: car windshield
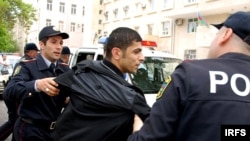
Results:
x,y
152,73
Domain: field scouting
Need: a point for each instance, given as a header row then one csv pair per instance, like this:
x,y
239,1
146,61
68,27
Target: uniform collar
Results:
x,y
234,55
42,62
47,61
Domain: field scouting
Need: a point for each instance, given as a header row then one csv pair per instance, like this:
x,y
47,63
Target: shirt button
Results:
x,y
30,94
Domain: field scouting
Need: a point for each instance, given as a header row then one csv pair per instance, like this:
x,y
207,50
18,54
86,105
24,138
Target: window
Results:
x,y
137,7
72,27
49,5
60,25
73,9
152,4
106,14
166,28
83,10
190,54
150,29
48,22
99,31
125,9
192,25
100,22
191,1
168,3
62,7
82,27
115,11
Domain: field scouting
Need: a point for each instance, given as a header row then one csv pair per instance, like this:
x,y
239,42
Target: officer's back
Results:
x,y
206,100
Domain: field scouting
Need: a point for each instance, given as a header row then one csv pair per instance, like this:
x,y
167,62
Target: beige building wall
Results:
x,y
19,35
145,16
142,13
86,26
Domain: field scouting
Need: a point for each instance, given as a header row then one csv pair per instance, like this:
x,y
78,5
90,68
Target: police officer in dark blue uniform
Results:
x,y
65,54
33,85
30,52
203,96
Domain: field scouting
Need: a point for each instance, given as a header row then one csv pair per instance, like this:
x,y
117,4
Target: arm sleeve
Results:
x,y
20,85
140,107
165,113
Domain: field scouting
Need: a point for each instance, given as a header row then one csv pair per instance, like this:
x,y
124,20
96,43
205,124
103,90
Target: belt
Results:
x,y
40,123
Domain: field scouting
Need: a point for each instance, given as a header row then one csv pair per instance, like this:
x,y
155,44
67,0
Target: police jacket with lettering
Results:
x,y
35,105
102,104
198,98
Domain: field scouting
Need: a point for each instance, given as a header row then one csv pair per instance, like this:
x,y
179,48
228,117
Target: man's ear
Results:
x,y
226,35
116,53
41,44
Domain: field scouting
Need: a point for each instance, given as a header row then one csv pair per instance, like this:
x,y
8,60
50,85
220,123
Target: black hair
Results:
x,y
121,37
44,40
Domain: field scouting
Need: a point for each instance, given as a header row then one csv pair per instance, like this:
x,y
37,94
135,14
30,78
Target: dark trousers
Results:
x,y
24,131
7,128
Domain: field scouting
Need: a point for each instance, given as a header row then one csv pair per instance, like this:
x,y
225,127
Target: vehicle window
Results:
x,y
100,57
152,73
85,56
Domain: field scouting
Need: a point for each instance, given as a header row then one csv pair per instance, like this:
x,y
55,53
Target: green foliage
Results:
x,y
16,10
7,44
12,12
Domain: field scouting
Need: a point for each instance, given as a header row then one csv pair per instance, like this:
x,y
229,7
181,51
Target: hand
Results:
x,y
137,123
67,100
48,86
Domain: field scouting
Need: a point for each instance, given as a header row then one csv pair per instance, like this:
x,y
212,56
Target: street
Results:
x,y
4,116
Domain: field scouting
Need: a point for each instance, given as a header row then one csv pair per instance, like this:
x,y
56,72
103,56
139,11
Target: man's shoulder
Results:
x,y
63,64
26,61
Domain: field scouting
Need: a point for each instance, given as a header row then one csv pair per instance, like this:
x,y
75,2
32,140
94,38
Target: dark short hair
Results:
x,y
121,37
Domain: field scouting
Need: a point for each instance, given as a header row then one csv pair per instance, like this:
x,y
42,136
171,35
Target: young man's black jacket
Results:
x,y
102,104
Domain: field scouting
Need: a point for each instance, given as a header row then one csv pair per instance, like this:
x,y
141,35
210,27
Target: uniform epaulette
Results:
x,y
25,60
64,64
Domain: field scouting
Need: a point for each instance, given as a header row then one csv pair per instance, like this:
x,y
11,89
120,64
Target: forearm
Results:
x,y
18,89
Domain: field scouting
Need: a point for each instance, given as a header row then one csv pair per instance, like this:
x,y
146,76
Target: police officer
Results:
x,y
30,52
202,97
65,54
33,84
102,104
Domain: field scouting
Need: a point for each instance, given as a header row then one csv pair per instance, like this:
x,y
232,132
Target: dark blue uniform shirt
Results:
x,y
198,98
35,105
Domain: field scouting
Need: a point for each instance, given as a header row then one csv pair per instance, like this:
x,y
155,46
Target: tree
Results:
x,y
7,44
12,12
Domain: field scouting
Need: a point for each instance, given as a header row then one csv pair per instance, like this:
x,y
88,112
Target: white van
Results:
x,y
150,75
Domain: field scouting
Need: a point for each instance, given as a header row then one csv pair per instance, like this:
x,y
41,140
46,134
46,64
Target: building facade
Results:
x,y
79,18
173,24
